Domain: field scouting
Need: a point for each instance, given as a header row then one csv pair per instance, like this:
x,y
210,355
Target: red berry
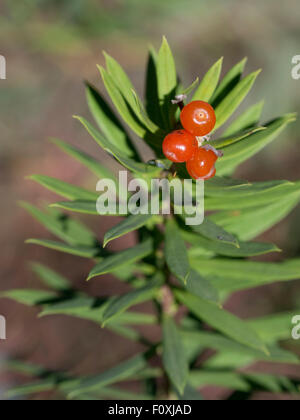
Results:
x,y
202,164
179,146
198,118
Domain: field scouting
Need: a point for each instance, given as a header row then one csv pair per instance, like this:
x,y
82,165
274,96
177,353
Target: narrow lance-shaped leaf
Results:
x,y
226,346
121,105
108,122
190,88
29,297
246,249
231,380
174,358
78,206
176,252
227,141
51,224
121,79
122,303
250,222
222,320
200,286
67,229
220,185
126,88
130,164
79,251
254,195
42,385
249,119
24,368
64,189
50,277
232,275
210,230
151,89
116,261
87,160
128,225
209,83
231,102
229,81
116,374
167,82
237,153
275,327
144,118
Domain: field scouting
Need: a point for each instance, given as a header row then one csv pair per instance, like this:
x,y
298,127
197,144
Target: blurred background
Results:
x,y
51,47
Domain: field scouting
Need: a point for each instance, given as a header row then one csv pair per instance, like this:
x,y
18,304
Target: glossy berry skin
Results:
x,y
198,118
179,146
202,164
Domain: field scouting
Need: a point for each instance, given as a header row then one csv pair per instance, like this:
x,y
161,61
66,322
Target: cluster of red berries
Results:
x,y
198,119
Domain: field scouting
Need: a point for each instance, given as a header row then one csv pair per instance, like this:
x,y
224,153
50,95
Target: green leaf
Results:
x,y
201,378
246,249
229,140
251,222
176,252
88,161
49,277
248,119
236,359
122,303
127,90
209,83
233,275
275,384
250,193
65,228
167,81
226,347
120,394
151,88
80,251
121,79
64,189
116,374
78,206
92,309
220,185
121,104
143,117
126,332
210,230
128,163
32,388
232,101
108,122
228,83
23,368
174,358
29,297
222,320
237,153
275,327
122,258
128,225
190,88
201,287
190,394
258,194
